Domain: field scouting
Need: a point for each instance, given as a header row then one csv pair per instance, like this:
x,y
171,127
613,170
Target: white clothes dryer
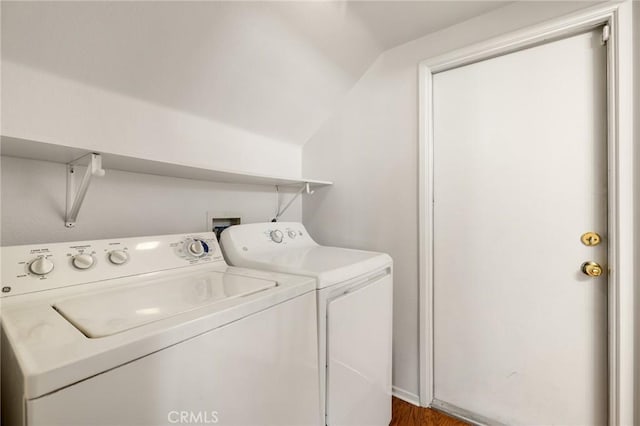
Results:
x,y
154,331
354,295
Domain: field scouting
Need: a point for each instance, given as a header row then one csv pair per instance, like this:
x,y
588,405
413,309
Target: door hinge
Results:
x,y
606,33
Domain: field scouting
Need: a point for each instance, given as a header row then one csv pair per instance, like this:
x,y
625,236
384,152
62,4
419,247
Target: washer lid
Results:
x,y
109,312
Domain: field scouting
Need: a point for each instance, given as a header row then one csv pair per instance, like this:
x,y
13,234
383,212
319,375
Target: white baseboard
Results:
x,y
462,414
404,395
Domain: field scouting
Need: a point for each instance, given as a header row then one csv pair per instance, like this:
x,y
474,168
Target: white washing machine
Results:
x,y
354,295
154,331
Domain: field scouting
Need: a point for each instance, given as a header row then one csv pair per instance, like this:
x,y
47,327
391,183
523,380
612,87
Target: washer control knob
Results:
x,y
196,248
83,261
292,234
276,236
41,266
118,257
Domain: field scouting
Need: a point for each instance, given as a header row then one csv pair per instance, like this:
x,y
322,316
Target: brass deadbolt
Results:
x,y
591,269
590,239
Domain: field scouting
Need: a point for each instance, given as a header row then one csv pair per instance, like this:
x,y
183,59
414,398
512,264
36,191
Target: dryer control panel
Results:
x,y
38,267
269,236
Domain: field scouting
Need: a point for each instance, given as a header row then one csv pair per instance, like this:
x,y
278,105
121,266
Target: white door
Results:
x,y
520,173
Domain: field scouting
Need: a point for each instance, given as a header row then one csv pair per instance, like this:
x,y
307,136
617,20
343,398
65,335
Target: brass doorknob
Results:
x,y
591,269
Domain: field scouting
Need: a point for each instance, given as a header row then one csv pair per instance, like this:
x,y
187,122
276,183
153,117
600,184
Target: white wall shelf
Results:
x,y
24,148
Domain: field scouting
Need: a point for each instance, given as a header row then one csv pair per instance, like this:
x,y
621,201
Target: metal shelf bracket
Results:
x,y
280,211
75,198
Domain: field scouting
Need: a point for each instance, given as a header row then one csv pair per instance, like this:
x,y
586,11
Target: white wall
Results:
x,y
120,204
636,109
45,107
271,71
369,148
115,77
217,85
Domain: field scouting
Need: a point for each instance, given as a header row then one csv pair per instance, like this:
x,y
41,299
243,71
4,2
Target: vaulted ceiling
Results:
x,y
274,68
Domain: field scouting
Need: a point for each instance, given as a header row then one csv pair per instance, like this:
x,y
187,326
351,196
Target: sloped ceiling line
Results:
x,y
273,68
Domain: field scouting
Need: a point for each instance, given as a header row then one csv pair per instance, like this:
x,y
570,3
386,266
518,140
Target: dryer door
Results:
x,y
359,355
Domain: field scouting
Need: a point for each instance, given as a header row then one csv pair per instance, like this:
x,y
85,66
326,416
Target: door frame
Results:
x,y
618,16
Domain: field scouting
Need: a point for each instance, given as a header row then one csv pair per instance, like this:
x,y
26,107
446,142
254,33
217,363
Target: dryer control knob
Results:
x,y
292,234
196,248
83,261
276,236
118,257
41,266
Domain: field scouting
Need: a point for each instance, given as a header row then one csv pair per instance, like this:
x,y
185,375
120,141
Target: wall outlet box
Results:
x,y
219,221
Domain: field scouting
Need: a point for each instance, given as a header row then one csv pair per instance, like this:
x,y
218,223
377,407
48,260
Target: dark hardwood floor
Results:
x,y
405,414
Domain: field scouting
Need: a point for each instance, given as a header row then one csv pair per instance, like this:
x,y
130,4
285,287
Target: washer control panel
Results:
x,y
31,268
